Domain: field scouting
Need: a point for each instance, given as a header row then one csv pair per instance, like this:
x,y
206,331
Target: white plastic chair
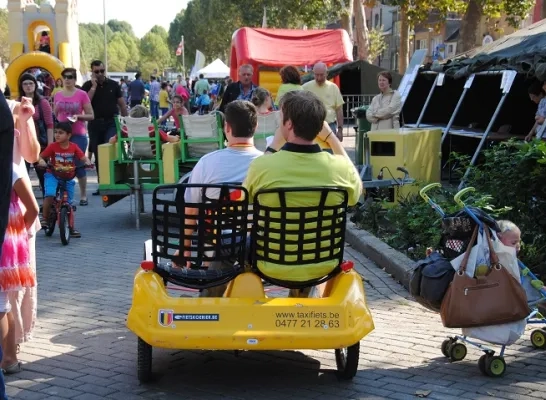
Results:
x,y
200,135
267,125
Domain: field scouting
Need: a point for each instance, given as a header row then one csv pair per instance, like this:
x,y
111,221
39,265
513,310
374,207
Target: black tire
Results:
x,y
495,366
64,226
51,222
481,364
457,352
347,361
538,339
445,345
144,366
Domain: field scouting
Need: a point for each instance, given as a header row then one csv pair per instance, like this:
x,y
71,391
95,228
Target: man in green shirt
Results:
x,y
202,85
302,163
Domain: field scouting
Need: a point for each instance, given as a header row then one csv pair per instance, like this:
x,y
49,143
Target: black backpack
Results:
x,y
430,280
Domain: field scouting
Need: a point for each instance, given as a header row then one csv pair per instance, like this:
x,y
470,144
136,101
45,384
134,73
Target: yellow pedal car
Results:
x,y
211,242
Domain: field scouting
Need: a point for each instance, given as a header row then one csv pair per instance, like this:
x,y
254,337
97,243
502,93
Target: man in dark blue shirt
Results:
x,y
136,91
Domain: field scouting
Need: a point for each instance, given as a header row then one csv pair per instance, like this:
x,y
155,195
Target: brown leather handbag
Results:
x,y
493,299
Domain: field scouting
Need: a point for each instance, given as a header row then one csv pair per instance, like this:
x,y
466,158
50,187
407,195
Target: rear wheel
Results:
x,y
64,225
347,361
144,366
495,366
51,222
538,339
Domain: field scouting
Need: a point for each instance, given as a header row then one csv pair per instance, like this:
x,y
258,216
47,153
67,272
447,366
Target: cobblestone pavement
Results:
x,y
82,350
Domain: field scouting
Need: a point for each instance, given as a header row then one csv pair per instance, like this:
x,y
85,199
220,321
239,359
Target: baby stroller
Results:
x,y
456,237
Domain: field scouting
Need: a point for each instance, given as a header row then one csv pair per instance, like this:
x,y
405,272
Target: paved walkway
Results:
x,y
82,350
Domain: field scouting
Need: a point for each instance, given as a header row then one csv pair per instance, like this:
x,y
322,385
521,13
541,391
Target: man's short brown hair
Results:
x,y
242,116
306,112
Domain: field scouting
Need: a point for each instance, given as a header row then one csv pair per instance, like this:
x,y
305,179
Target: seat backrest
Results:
x,y
197,127
219,230
139,128
299,227
267,125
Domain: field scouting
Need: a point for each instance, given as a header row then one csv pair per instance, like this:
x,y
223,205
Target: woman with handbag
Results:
x,y
384,111
43,117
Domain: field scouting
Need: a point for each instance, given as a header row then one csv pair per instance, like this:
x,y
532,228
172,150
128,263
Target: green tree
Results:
x,y
514,10
92,43
226,17
376,43
4,46
154,53
160,31
118,54
121,26
415,12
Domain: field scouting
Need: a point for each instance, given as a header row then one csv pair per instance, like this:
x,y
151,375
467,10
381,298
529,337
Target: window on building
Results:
x,y
450,49
381,16
420,44
436,41
376,23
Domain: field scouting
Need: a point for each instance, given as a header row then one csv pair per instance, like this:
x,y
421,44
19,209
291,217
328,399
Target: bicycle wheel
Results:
x,y
64,225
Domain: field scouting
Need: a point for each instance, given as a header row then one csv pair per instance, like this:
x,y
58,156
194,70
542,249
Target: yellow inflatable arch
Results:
x,y
35,59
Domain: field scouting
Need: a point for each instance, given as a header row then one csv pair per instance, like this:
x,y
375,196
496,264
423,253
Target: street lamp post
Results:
x,y
183,56
105,37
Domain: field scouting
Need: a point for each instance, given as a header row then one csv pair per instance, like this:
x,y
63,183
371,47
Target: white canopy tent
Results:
x,y
216,69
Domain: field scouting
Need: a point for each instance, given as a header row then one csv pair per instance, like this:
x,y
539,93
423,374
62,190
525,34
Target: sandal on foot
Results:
x,y
75,234
13,368
84,203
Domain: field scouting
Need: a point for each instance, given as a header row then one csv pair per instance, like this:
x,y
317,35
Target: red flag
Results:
x,y
180,48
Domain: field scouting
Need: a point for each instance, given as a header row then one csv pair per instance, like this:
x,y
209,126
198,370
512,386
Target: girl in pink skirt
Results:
x,y
16,271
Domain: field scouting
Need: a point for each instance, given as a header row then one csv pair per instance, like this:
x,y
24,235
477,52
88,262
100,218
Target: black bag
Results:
x,y
430,280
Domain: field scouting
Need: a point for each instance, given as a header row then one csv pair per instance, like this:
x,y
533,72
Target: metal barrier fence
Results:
x,y
353,101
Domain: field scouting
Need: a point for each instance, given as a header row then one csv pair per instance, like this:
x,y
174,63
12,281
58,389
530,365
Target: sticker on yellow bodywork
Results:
x,y
166,318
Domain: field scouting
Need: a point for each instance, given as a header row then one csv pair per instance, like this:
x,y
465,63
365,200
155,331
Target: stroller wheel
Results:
x,y
457,352
445,346
481,364
538,339
495,366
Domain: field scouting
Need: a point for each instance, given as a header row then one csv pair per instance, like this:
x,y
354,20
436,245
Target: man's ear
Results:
x,y
227,128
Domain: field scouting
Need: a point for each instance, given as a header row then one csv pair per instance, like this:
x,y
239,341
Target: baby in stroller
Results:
x,y
510,235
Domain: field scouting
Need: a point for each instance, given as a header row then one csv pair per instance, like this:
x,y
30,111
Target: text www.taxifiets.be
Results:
x,y
309,319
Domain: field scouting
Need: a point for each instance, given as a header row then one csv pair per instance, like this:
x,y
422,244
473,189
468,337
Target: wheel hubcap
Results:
x,y
538,339
497,367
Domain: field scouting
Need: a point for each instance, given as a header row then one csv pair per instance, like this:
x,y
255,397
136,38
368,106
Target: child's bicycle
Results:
x,y
62,212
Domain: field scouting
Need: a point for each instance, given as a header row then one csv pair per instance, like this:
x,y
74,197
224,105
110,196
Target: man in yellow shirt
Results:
x,y
301,163
329,94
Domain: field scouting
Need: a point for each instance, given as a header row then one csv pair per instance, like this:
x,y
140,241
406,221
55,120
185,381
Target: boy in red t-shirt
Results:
x,y
61,159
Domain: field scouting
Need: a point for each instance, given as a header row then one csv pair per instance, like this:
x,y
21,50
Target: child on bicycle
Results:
x,y
61,165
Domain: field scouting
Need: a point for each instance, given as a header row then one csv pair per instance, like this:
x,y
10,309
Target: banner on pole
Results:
x,y
199,63
180,47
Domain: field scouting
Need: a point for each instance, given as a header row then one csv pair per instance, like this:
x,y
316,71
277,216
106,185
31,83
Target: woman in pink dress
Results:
x,y
17,327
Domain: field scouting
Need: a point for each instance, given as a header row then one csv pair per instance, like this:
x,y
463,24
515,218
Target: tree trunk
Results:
x,y
361,30
403,54
470,25
347,19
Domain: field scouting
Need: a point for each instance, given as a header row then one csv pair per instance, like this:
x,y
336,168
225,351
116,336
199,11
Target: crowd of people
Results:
x,y
56,133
